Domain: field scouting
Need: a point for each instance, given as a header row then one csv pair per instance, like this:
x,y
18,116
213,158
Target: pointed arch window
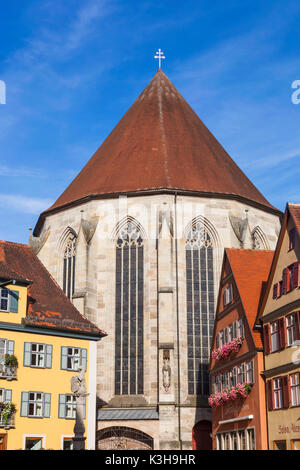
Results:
x,y
69,259
259,241
129,342
200,306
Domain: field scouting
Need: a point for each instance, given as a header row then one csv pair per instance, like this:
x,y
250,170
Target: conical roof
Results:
x,y
160,144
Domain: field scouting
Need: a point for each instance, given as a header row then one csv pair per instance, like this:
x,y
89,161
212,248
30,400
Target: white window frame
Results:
x,y
290,322
65,436
278,393
73,358
248,431
35,403
38,355
5,298
250,371
274,335
295,389
34,436
227,295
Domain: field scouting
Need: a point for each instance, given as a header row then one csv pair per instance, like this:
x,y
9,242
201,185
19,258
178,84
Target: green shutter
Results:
x,y
83,358
48,356
10,347
24,403
27,354
62,406
14,301
64,357
7,395
47,405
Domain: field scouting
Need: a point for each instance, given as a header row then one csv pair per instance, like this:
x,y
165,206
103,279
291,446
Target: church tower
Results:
x,y
136,241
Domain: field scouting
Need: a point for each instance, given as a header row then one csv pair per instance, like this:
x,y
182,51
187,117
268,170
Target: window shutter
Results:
x,y
267,339
270,395
281,331
83,353
284,280
27,354
285,392
14,301
234,330
7,395
297,321
217,340
295,275
64,357
48,356
47,403
62,406
10,347
24,403
275,291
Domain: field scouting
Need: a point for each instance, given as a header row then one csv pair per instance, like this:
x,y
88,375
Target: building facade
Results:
x,y
280,319
237,387
43,342
136,242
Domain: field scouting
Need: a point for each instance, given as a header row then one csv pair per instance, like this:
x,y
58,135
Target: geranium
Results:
x,y
227,348
238,391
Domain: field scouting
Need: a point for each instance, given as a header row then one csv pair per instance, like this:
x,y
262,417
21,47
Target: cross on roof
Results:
x,y
159,56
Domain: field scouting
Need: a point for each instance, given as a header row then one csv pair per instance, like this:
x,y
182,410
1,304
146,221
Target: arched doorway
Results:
x,y
123,438
201,436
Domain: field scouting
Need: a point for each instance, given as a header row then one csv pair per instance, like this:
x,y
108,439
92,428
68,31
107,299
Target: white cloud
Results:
x,y
25,204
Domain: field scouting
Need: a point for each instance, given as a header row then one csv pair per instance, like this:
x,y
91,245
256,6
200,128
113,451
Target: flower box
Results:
x,y
232,393
227,348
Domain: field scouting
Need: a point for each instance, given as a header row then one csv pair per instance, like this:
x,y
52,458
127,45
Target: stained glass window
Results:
x,y
129,345
200,307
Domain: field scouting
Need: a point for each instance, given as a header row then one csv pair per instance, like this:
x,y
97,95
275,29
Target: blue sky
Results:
x,y
73,68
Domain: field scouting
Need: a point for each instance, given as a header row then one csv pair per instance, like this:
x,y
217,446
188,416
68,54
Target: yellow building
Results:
x,y
280,312
49,339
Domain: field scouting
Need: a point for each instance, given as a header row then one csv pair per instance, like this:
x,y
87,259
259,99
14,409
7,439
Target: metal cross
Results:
x,y
159,57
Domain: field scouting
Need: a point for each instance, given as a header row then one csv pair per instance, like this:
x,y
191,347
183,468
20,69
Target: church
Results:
x,y
136,241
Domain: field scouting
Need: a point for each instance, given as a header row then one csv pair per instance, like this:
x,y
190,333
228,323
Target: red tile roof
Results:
x,y
250,269
48,306
160,143
294,210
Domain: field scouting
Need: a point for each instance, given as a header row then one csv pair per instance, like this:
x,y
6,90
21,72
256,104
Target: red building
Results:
x,y
237,387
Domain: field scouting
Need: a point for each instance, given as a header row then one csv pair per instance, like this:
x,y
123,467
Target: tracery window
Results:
x,y
69,265
129,343
258,239
200,306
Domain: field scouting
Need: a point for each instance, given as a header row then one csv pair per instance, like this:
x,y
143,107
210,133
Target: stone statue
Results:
x,y
78,388
166,372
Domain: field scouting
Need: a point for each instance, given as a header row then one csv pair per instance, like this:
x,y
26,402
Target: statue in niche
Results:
x,y
166,371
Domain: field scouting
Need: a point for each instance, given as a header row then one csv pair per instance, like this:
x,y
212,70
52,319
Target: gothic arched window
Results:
x,y
129,342
259,241
69,257
200,306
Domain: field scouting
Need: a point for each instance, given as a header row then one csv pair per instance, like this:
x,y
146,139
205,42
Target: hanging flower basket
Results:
x,y
6,411
227,348
232,393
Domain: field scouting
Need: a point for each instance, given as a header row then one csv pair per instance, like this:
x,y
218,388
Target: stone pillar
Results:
x,y
166,328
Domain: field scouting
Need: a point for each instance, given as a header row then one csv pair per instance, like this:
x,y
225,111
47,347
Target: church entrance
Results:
x,y
201,436
123,438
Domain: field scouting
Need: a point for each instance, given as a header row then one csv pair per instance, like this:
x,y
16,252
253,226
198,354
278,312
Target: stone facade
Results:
x,y
164,220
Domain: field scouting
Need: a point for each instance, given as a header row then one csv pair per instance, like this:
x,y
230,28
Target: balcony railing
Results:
x,y
9,423
7,372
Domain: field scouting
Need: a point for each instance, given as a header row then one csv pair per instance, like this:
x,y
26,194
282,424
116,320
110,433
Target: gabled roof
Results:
x,y
160,144
292,210
250,270
48,306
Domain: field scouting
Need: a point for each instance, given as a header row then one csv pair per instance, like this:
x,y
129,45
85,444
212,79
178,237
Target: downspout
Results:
x,y
177,313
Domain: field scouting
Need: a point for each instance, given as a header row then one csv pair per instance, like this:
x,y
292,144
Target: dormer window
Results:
x,y
227,295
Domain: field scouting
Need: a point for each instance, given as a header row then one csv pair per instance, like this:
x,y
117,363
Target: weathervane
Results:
x,y
159,56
